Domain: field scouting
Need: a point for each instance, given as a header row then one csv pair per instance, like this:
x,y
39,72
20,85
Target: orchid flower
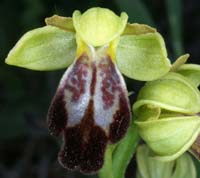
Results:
x,y
148,167
91,108
167,112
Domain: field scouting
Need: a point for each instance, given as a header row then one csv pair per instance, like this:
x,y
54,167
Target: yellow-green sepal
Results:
x,y
166,114
43,49
99,26
142,57
148,167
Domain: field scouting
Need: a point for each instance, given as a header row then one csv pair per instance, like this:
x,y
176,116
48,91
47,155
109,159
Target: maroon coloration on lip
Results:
x,y
121,121
94,78
111,82
77,78
84,145
57,114
85,139
111,85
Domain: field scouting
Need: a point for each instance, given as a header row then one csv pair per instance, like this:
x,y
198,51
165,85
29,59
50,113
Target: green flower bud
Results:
x,y
167,115
149,167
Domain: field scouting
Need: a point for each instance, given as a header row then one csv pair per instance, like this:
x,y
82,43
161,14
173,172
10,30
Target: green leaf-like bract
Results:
x,y
142,57
43,49
170,137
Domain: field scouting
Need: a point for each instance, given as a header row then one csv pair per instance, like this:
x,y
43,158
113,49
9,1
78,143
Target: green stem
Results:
x,y
124,151
106,171
117,157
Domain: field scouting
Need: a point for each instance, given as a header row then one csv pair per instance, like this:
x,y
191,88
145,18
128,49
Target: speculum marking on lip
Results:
x,y
110,82
96,111
114,99
75,83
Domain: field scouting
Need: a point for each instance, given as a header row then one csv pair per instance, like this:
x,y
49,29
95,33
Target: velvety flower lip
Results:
x,y
90,109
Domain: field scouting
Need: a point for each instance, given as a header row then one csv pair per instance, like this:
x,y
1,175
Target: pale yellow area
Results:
x,y
99,26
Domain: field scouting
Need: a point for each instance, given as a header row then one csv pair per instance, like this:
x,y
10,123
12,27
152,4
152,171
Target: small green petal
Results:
x,y
99,26
172,92
148,112
179,62
165,114
46,48
142,57
191,71
170,137
137,29
64,23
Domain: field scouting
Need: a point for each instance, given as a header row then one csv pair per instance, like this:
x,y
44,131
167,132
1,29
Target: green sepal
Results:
x,y
151,168
170,137
191,71
148,167
142,57
65,23
173,92
43,49
166,112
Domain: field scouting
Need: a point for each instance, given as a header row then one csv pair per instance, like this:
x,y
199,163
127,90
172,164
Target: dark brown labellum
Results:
x,y
90,110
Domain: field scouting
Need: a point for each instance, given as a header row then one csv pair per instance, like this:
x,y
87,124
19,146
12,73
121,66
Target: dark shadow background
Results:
x,y
26,149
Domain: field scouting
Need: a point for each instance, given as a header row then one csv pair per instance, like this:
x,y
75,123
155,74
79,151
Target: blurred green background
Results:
x,y
26,149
